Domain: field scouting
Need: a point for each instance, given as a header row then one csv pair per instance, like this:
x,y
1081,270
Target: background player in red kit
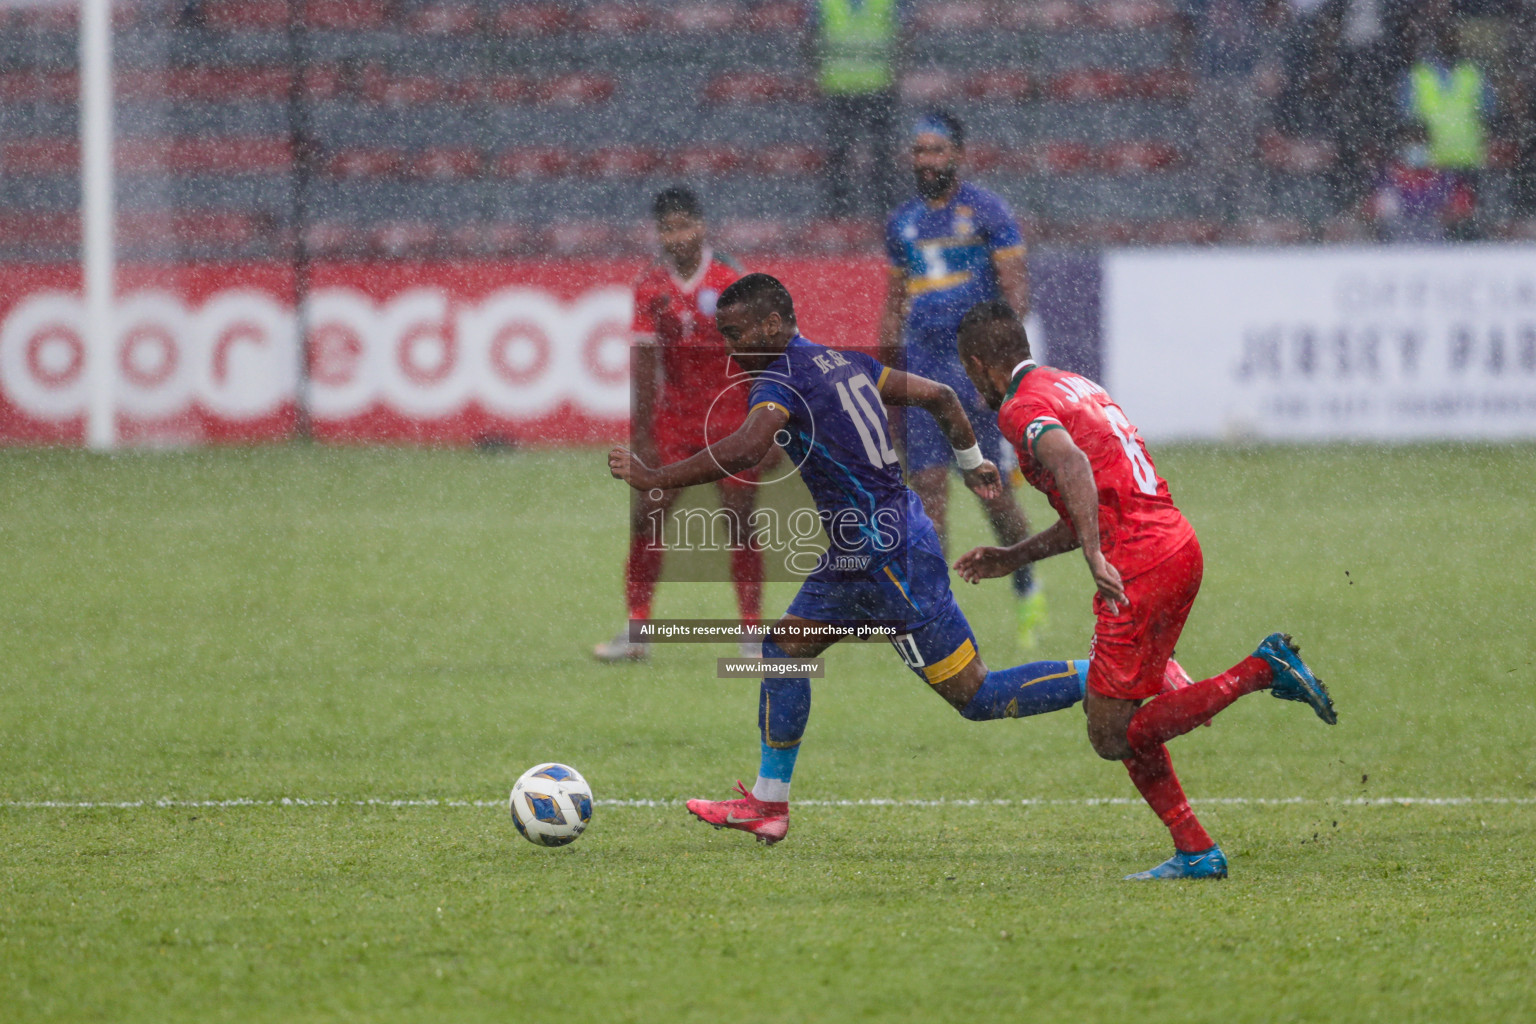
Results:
x,y
680,367
1077,447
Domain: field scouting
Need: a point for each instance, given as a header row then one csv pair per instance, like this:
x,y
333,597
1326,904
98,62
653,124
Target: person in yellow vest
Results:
x,y
1450,96
857,47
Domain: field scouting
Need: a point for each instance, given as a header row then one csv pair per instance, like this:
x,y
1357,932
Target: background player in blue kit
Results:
x,y
826,409
951,246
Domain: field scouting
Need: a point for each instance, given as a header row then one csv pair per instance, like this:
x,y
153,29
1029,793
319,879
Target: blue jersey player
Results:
x,y
826,410
951,246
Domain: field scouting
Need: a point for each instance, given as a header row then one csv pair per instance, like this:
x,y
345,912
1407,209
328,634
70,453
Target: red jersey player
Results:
x,y
1077,446
681,379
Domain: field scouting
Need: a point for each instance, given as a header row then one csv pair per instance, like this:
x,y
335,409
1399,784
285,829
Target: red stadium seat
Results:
x,y
983,157
226,155
245,15
786,159
324,82
840,236
406,239
500,89
1296,156
634,237
406,90
755,87
1163,84
1066,157
1123,15
1502,153
578,238
998,160
536,19
31,230
365,162
1267,231
614,18
751,235
1010,86
348,15
1179,231
217,84
776,16
704,16
225,228
47,17
701,160
930,85
446,163
1520,231
489,238
618,162
575,89
40,156
39,87
1089,85
1137,157
955,16
529,162
1095,232
445,19
333,238
1043,15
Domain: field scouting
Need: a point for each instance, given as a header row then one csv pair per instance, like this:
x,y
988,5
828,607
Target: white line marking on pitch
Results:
x,y
1113,801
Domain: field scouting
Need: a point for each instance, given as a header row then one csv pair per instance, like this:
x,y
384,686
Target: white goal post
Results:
x,y
98,213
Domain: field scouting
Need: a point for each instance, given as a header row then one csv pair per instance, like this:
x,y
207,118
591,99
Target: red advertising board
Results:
x,y
528,352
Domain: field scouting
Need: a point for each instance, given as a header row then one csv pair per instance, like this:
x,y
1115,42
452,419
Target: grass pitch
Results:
x,y
336,626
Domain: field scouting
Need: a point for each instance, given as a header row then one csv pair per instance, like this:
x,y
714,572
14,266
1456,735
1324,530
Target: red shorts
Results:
x,y
1131,647
678,439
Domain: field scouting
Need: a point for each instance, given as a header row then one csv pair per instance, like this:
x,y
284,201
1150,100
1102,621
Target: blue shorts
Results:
x,y
926,444
911,591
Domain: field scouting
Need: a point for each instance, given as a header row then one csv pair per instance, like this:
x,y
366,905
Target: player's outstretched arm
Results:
x,y
1064,460
740,451
899,388
986,563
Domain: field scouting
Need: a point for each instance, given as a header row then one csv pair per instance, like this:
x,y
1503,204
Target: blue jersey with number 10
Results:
x,y
839,438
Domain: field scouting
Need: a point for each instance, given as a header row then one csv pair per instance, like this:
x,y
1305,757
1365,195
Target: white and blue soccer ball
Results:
x,y
551,804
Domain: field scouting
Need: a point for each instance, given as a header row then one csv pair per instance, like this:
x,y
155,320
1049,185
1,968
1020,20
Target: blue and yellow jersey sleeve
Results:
x,y
996,223
771,392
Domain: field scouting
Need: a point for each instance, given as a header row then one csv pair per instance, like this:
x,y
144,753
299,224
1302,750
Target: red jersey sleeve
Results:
x,y
644,325
1025,418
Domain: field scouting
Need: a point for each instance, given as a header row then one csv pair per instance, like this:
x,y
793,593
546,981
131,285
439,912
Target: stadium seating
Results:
x,y
510,126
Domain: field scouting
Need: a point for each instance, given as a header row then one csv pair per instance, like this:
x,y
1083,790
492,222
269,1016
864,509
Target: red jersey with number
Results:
x,y
1139,525
678,317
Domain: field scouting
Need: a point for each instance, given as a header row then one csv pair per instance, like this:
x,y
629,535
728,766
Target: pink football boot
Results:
x,y
769,822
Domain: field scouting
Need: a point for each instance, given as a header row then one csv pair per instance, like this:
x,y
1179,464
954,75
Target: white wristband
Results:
x,y
969,458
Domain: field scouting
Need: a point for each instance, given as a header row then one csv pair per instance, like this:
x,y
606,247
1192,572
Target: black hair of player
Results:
x,y
952,124
1009,342
677,199
763,292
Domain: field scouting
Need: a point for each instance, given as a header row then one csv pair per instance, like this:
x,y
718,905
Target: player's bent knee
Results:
x,y
1107,722
1109,748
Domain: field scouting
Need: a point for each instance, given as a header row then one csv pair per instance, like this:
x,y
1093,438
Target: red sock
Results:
x,y
1176,713
1152,772
747,572
640,575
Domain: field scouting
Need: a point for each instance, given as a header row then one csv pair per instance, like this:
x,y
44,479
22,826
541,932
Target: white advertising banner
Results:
x,y
1318,344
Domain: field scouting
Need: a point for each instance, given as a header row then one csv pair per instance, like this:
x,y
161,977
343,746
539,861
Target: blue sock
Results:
x,y
783,708
1026,690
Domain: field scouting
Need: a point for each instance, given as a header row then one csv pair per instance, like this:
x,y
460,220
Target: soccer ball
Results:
x,y
551,804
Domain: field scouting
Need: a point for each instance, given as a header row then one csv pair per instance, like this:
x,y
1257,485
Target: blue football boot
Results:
x,y
1293,680
1210,863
